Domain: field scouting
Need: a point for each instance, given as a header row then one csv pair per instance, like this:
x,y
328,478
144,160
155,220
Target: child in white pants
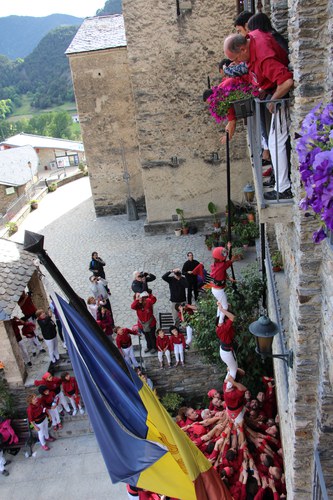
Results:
x,y
71,391
177,341
163,347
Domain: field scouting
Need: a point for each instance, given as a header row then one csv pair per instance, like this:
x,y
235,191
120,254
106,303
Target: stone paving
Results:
x,y
74,468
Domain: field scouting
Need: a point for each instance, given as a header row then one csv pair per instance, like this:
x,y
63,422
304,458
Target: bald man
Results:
x,y
268,70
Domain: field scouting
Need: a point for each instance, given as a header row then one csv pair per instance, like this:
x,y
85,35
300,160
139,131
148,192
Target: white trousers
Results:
x,y
167,355
278,136
221,297
2,461
24,352
54,414
189,333
34,342
73,403
43,432
52,346
229,358
129,356
63,402
179,352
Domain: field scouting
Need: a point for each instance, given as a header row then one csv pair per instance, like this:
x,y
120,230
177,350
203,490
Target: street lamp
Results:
x,y
32,176
264,330
249,191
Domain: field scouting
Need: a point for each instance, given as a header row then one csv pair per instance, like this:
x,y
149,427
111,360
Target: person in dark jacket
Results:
x,y
96,265
177,284
49,332
191,278
141,280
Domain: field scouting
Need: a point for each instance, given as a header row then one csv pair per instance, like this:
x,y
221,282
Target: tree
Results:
x,y
6,107
60,125
110,7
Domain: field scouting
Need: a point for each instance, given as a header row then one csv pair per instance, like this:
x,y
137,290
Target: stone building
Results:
x,y
52,153
304,294
18,273
139,97
170,49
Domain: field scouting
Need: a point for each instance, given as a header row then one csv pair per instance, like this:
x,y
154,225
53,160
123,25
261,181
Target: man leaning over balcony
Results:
x,y
268,70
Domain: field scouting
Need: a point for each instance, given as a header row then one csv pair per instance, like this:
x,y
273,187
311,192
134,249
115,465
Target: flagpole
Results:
x,y
34,243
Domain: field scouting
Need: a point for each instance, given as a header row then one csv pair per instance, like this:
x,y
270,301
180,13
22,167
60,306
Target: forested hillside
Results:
x,y
44,74
110,7
21,34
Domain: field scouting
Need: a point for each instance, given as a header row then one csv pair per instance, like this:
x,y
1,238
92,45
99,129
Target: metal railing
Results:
x,y
14,208
319,491
275,134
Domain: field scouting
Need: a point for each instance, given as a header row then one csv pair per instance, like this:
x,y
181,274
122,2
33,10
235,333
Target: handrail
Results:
x,y
255,126
319,491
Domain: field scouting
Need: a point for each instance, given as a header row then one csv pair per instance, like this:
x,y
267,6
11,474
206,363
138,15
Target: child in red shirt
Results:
x,y
163,347
71,391
177,341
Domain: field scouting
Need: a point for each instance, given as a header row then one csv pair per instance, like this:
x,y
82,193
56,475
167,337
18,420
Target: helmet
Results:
x,y
220,253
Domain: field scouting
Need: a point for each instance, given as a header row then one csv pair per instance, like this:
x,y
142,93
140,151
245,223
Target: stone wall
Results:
x,y
170,59
106,109
306,408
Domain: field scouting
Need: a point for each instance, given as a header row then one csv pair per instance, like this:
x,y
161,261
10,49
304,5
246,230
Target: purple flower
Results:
x,y
304,204
319,236
326,117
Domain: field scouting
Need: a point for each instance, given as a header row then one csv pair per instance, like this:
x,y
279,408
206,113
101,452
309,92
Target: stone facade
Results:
x,y
168,76
305,401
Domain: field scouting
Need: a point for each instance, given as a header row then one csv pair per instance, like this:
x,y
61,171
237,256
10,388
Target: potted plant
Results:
x,y
238,253
252,232
183,221
209,241
12,228
52,187
178,231
212,208
33,204
277,262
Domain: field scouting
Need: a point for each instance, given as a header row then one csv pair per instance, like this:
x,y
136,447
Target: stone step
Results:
x,y
73,426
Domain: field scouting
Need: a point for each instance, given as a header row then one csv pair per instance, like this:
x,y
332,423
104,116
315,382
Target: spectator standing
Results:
x,y
144,306
54,385
141,280
23,348
49,333
37,417
192,279
28,330
49,401
124,344
96,265
177,285
53,310
99,289
105,320
27,306
71,391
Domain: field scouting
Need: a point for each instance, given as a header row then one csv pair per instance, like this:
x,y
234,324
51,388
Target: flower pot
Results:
x,y
34,205
243,107
178,232
277,269
185,230
217,225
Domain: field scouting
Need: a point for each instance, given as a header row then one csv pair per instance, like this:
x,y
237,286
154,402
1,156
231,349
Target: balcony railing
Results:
x,y
319,491
258,127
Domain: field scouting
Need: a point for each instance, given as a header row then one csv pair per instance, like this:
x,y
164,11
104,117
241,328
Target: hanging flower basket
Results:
x,y
244,107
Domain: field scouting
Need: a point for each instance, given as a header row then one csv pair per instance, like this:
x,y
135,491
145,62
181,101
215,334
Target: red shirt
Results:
x,y
180,339
27,306
48,399
162,343
36,412
28,329
124,340
144,310
226,332
234,398
70,387
219,270
53,385
268,63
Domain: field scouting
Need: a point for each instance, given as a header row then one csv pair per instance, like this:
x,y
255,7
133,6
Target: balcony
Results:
x,y
269,210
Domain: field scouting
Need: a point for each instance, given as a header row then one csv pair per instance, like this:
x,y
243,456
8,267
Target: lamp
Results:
x,y
264,331
249,191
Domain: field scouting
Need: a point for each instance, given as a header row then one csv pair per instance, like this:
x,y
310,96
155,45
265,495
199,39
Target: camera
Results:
x,y
141,275
178,273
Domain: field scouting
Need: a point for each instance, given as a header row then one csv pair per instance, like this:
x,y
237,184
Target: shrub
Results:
x,y
52,187
171,402
7,409
12,227
244,303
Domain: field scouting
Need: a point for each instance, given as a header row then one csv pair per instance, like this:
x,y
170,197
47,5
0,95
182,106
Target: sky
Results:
x,y
41,8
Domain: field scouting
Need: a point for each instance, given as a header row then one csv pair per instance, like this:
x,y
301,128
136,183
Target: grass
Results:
x,y
26,111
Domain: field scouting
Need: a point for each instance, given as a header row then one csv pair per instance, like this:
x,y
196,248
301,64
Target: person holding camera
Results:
x,y
177,285
144,306
141,280
96,265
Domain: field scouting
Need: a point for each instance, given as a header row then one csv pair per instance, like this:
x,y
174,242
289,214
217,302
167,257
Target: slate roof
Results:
x,y
41,141
14,168
98,33
16,268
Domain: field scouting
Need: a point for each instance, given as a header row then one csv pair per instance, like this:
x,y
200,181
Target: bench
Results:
x,y
22,430
166,320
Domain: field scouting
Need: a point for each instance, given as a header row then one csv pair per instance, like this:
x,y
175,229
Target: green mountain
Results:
x,y
21,34
110,7
44,75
